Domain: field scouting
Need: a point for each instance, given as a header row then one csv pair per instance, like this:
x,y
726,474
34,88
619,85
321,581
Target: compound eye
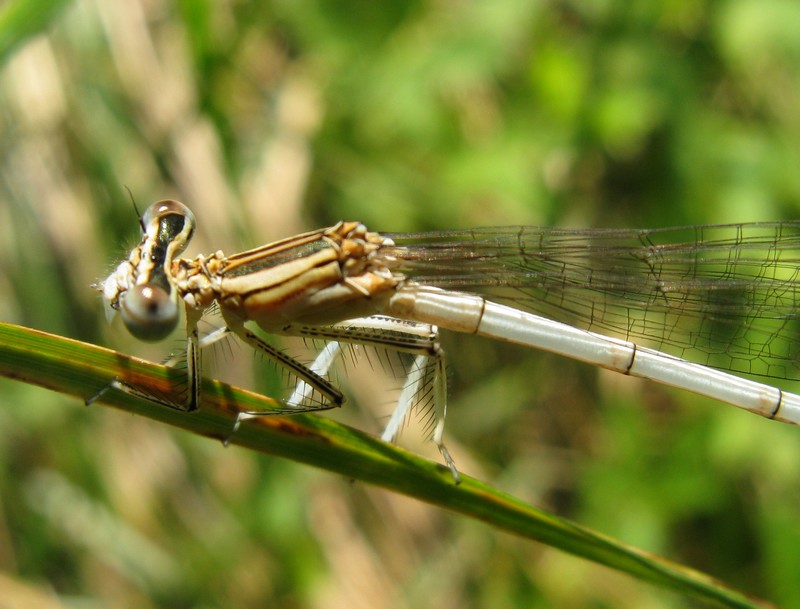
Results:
x,y
148,312
167,207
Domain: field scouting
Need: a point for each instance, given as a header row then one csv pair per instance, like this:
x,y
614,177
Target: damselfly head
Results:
x,y
141,288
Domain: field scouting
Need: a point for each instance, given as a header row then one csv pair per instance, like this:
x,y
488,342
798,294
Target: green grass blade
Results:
x,y
23,19
80,369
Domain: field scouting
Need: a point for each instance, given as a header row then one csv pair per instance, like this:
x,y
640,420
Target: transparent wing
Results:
x,y
722,295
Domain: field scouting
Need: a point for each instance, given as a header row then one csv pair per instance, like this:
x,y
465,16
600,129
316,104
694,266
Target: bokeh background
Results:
x,y
269,118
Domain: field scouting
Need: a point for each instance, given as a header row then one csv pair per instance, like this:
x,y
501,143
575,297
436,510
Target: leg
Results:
x,y
310,379
308,376
427,368
193,347
322,364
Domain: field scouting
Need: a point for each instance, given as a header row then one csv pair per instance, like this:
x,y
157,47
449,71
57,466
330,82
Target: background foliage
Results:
x,y
271,118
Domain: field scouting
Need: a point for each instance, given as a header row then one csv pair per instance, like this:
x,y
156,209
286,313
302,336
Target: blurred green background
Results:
x,y
269,118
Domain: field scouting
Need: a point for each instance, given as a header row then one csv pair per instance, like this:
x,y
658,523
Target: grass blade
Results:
x,y
81,369
23,19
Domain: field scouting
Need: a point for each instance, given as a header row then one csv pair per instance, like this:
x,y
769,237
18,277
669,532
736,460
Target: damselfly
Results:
x,y
707,299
